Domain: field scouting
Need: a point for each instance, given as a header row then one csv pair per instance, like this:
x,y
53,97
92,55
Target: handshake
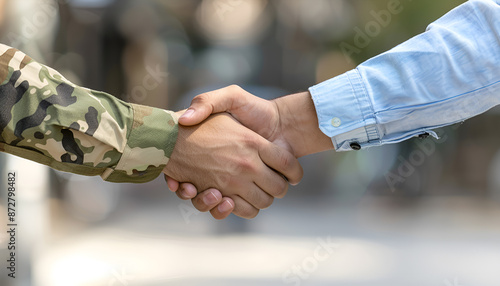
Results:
x,y
236,152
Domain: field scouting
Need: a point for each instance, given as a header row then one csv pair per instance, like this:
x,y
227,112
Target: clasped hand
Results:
x,y
242,150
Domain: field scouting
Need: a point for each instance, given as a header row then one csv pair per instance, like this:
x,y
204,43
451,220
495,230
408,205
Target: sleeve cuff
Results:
x,y
149,146
345,114
344,108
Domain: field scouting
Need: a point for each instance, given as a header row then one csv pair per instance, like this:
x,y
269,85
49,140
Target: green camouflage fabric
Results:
x,y
47,119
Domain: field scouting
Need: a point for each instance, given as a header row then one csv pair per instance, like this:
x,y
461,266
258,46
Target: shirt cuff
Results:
x,y
149,146
345,112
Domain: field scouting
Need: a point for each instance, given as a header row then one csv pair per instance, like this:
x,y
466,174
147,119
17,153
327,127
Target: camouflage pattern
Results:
x,y
47,119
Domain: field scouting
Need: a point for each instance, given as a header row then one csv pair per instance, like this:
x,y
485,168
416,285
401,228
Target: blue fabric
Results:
x,y
445,75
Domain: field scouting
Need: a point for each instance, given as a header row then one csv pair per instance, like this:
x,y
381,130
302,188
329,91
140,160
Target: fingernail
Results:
x,y
210,199
188,113
225,207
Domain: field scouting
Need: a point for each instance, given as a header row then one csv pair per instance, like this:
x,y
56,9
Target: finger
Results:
x,y
172,184
243,209
281,161
252,193
271,182
257,197
187,191
223,210
216,101
207,200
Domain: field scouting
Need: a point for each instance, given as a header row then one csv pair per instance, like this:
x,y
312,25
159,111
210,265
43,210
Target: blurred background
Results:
x,y
424,212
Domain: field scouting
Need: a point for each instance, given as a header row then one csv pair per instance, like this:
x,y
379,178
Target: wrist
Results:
x,y
299,124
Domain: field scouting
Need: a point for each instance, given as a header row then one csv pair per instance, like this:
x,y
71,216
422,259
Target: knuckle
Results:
x,y
281,189
245,165
201,99
253,143
247,212
290,168
224,181
250,141
267,203
287,162
248,165
250,213
235,88
259,199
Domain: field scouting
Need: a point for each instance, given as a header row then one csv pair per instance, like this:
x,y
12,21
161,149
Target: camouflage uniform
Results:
x,y
47,119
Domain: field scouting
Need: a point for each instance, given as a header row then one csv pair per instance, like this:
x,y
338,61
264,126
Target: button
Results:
x,y
355,146
336,122
423,136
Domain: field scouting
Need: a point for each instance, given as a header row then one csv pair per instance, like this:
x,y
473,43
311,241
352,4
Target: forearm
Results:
x,y
443,76
47,119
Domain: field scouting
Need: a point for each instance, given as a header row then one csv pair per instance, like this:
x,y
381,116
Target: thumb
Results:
x,y
203,105
195,114
172,184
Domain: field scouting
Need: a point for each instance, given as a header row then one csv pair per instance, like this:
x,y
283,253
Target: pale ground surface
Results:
x,y
447,241
152,239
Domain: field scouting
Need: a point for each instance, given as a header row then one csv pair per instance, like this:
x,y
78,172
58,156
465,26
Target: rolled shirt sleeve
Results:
x,y
47,119
445,75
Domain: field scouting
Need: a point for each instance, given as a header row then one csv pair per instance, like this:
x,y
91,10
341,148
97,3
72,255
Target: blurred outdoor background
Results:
x,y
425,212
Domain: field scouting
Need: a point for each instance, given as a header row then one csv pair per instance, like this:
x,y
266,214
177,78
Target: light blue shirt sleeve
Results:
x,y
446,75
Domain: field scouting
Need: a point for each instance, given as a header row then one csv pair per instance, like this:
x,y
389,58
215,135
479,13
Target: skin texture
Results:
x,y
290,122
220,153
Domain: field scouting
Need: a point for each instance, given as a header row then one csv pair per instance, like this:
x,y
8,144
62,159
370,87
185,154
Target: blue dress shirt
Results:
x,y
448,74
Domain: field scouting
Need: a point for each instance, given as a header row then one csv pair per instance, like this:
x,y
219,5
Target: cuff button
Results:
x,y
355,146
424,135
336,122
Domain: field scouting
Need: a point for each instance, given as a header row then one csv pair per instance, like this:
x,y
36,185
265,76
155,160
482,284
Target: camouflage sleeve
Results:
x,y
47,119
